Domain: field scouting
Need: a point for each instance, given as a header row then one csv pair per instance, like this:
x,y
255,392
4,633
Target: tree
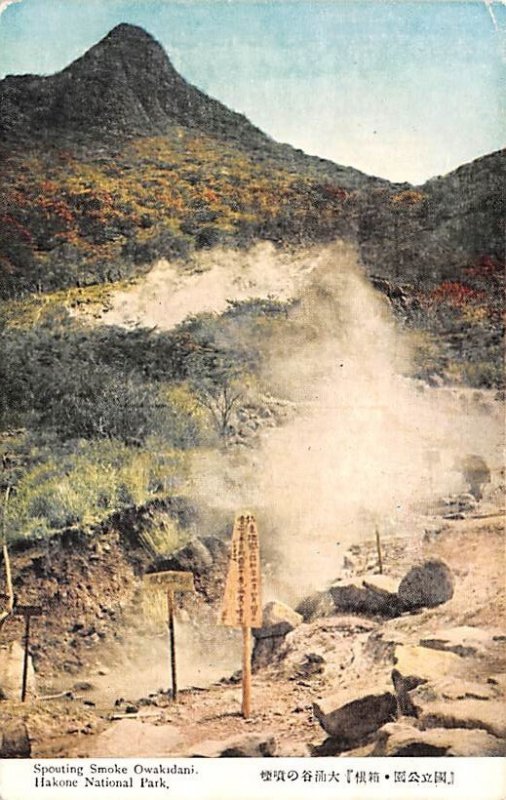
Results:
x,y
215,381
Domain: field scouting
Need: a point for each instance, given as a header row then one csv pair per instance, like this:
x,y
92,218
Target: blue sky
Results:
x,y
405,90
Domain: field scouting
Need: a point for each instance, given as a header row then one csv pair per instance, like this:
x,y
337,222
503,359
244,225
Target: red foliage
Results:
x,y
53,207
456,294
486,267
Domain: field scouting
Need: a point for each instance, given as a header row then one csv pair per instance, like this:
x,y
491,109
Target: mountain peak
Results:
x,y
126,29
123,85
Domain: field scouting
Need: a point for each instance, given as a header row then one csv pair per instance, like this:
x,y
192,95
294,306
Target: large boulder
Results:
x,y
319,604
247,746
426,585
425,664
404,739
354,716
468,713
15,741
278,620
375,596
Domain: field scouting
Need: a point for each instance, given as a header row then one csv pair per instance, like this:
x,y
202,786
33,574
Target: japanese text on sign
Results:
x,y
242,604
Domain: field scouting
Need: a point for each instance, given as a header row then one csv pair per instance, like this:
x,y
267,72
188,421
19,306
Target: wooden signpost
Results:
x,y
242,604
171,582
27,612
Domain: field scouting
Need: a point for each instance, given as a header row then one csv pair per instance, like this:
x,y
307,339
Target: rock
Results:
x,y
425,664
265,651
248,746
82,686
453,688
278,620
402,687
11,672
319,604
276,617
14,741
312,664
353,717
468,713
427,585
457,504
376,596
498,680
464,640
403,739
193,557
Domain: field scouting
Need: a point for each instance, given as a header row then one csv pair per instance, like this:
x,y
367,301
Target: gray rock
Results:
x,y
426,585
319,604
468,713
278,620
82,686
15,741
404,739
375,596
193,557
311,664
275,613
248,746
266,651
426,664
354,717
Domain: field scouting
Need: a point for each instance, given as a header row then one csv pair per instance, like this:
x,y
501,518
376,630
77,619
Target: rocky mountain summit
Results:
x,y
125,84
130,163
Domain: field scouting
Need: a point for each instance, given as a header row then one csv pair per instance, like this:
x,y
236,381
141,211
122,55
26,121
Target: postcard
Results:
x,y
252,399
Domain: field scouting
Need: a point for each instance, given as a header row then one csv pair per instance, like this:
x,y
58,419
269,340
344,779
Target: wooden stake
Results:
x,y
25,659
378,547
246,671
170,604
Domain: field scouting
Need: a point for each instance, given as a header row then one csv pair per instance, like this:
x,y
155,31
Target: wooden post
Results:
x,y
246,671
25,659
170,581
378,547
242,605
170,604
27,612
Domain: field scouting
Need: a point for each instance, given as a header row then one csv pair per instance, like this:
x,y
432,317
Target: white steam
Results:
x,y
170,293
368,447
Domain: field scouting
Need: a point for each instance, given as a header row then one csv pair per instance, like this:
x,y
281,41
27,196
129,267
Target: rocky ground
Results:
x,y
367,666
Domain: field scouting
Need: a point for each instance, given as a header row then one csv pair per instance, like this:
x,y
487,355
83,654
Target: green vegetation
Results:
x,y
60,486
96,419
